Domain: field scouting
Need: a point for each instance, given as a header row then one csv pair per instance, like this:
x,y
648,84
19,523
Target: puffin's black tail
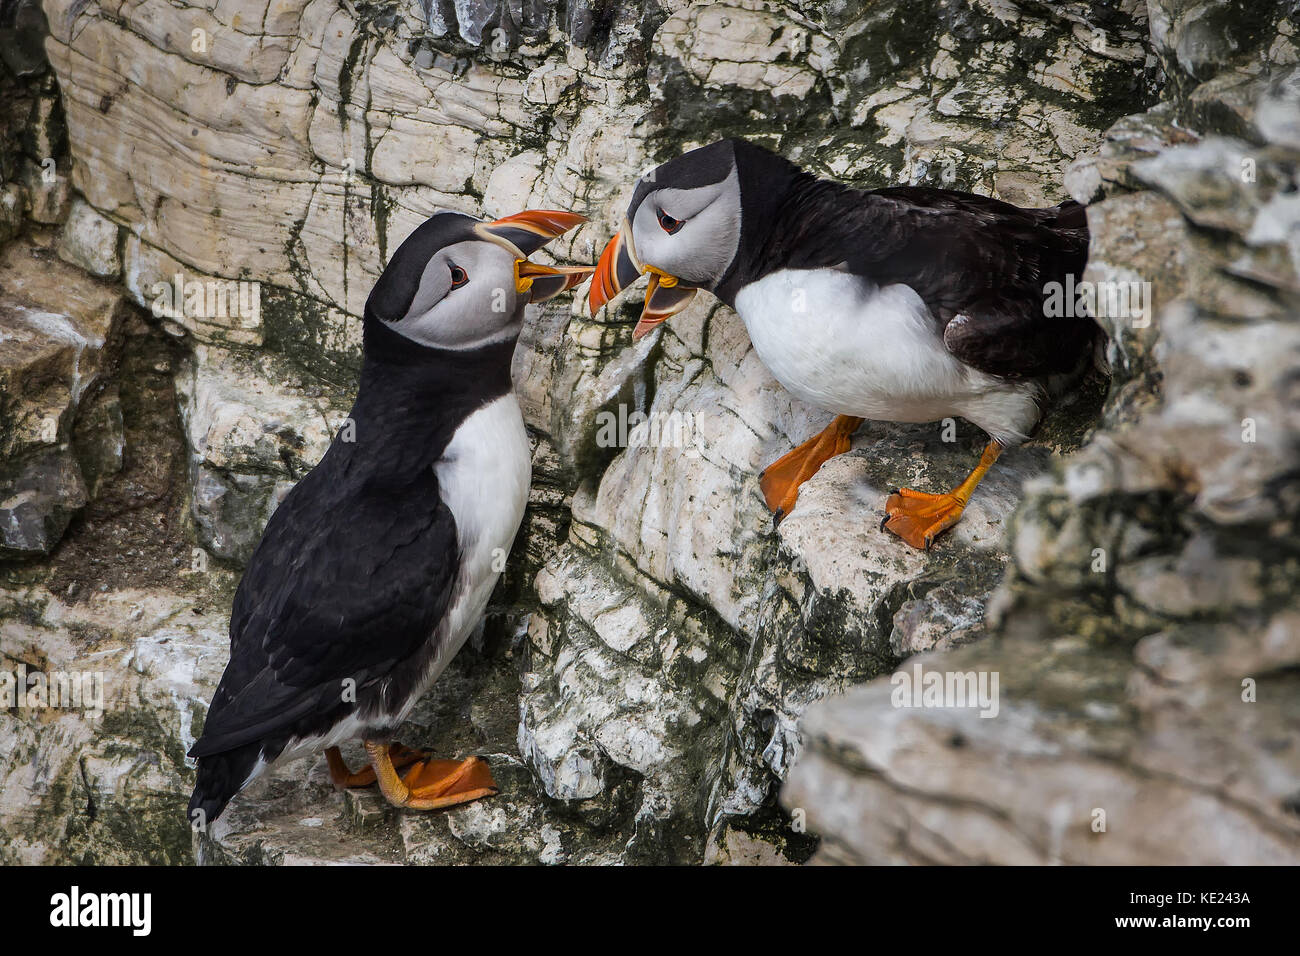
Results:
x,y
221,776
1070,215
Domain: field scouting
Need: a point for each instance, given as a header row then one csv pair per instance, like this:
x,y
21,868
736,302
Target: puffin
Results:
x,y
378,564
906,304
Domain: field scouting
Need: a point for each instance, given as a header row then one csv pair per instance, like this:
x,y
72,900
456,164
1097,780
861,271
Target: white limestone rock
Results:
x,y
90,241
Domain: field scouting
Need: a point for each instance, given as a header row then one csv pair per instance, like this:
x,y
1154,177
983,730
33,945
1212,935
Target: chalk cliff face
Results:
x,y
656,643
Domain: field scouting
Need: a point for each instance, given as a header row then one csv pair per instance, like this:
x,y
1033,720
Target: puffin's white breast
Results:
x,y
483,478
838,341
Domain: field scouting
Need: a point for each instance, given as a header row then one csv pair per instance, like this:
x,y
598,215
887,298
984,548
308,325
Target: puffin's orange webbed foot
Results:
x,y
780,481
343,778
918,518
432,784
445,783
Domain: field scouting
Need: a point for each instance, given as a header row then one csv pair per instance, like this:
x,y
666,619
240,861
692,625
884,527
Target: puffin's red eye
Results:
x,y
669,224
458,277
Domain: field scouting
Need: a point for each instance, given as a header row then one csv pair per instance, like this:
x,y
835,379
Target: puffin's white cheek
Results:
x,y
658,249
500,300
716,238
678,254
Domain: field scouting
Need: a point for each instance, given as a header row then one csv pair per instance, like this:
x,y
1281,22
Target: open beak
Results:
x,y
664,296
546,282
619,267
526,232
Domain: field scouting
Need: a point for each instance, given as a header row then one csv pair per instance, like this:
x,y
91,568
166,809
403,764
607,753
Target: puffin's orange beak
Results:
x,y
531,229
664,296
616,270
619,267
546,282
526,232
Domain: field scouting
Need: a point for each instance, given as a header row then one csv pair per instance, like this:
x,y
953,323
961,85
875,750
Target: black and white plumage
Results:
x,y
906,304
378,564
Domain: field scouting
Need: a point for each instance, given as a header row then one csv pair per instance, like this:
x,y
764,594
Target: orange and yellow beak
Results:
x,y
531,229
619,267
526,232
616,270
546,282
664,296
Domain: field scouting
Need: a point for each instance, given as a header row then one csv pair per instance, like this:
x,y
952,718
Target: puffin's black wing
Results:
x,y
983,267
349,580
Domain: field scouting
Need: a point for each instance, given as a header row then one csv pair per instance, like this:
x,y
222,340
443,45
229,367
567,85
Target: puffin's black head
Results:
x,y
460,283
684,226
